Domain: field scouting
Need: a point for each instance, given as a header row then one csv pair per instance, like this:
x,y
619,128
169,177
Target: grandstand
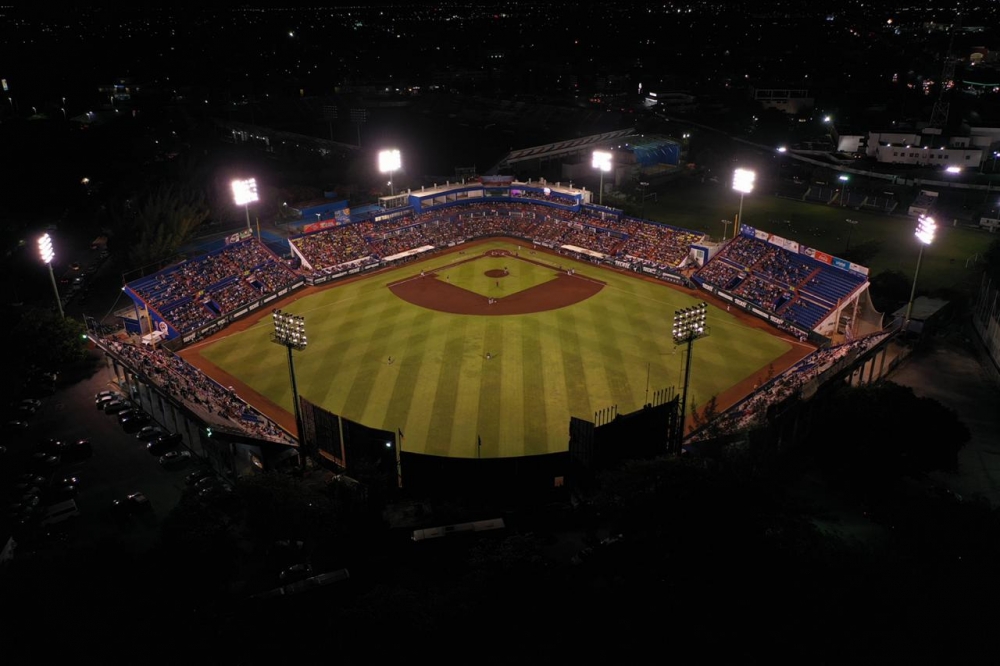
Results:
x,y
794,287
198,291
787,284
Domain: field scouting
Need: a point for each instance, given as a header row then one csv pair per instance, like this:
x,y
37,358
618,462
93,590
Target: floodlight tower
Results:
x,y
601,162
45,250
290,332
245,193
743,180
689,325
388,162
926,226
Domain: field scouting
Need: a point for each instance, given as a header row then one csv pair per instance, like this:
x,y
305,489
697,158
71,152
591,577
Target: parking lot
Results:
x,y
119,465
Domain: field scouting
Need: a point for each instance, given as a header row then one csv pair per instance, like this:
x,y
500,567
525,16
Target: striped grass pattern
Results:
x,y
444,393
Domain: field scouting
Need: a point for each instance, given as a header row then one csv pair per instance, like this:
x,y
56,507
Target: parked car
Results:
x,y
116,406
31,479
30,403
296,572
54,447
60,493
175,458
44,462
149,433
164,443
132,504
197,475
81,449
206,482
135,421
68,480
15,424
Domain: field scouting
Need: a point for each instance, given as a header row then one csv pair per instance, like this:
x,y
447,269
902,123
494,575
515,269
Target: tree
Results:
x,y
153,225
48,340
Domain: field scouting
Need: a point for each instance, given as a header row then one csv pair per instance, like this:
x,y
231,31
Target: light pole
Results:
x,y
853,224
45,251
388,162
602,162
843,178
245,193
689,325
725,228
290,332
743,180
925,234
642,206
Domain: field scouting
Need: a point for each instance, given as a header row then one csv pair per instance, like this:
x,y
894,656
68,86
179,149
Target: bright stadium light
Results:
x,y
743,180
245,193
602,162
388,162
926,227
290,333
689,325
954,169
47,254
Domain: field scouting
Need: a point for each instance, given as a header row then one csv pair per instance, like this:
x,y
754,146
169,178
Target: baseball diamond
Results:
x,y
491,341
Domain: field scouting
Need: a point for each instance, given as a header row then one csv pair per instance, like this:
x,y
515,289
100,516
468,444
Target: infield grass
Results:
x,y
443,393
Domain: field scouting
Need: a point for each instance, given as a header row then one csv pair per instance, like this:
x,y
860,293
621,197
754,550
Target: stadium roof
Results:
x,y
559,148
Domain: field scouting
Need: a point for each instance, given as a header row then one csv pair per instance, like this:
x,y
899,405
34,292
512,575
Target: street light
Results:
x,y
602,162
850,229
925,234
245,193
689,325
47,254
743,183
290,332
388,162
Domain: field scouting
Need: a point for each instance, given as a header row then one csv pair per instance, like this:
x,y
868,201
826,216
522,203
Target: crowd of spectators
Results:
x,y
761,291
753,409
722,274
745,251
186,383
196,291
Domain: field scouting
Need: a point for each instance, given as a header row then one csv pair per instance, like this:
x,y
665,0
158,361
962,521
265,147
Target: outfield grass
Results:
x,y
881,242
443,392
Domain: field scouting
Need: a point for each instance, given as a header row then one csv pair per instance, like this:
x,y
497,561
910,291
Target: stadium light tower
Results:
x,y
926,226
45,250
245,193
689,325
743,183
388,162
601,162
290,332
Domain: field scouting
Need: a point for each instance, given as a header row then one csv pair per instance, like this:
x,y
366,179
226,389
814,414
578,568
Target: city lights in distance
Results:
x,y
743,180
245,191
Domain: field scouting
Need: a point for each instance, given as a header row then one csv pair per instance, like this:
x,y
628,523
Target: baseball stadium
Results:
x,y
475,320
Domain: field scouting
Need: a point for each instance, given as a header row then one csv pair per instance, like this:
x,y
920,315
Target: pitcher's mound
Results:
x,y
495,273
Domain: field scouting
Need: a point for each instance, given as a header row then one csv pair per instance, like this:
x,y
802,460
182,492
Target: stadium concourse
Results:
x,y
797,289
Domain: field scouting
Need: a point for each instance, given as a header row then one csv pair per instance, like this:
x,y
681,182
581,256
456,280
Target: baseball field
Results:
x,y
491,342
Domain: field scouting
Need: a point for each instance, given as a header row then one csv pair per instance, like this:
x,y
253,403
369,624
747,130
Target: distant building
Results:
x,y
791,101
926,149
670,101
